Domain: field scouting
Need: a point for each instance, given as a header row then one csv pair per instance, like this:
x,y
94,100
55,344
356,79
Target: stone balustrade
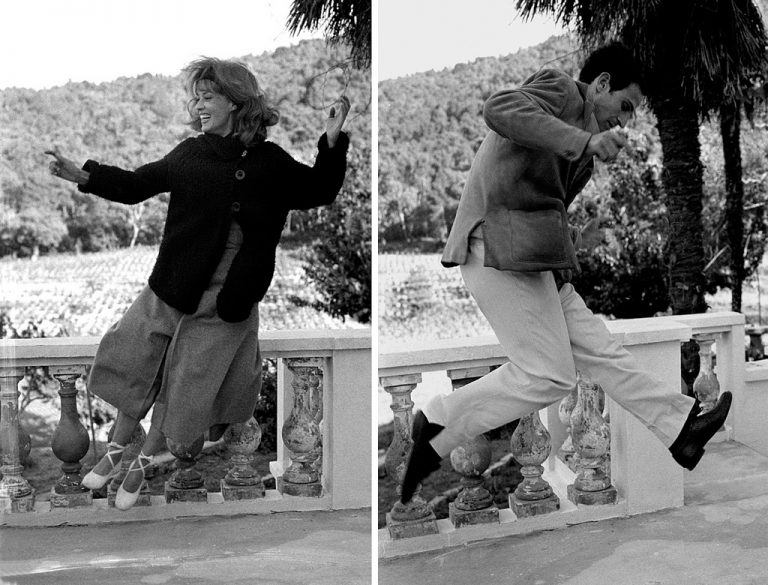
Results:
x,y
583,459
721,335
323,430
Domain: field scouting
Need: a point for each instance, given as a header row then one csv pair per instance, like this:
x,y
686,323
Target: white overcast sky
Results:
x,y
49,42
419,35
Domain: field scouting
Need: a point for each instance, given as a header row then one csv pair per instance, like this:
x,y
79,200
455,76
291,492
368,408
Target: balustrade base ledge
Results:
x,y
174,495
42,514
305,490
406,529
17,505
79,500
601,497
460,518
529,508
232,493
509,525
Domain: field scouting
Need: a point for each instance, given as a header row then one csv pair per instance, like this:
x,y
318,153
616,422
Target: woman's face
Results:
x,y
214,109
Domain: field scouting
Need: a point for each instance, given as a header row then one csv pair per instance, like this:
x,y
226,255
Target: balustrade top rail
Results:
x,y
708,323
484,351
15,354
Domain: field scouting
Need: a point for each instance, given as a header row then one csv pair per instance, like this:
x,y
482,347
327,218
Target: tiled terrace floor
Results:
x,y
720,536
288,548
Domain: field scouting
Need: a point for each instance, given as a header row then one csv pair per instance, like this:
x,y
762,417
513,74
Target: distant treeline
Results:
x,y
132,121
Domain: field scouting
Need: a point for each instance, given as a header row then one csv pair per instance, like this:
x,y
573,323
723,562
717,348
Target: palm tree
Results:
x,y
751,93
696,55
730,130
343,21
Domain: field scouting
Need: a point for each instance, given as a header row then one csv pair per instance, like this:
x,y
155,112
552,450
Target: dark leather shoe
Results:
x,y
423,459
698,430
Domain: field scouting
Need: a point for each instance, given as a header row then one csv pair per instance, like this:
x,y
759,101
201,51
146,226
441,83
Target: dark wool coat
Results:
x,y
213,180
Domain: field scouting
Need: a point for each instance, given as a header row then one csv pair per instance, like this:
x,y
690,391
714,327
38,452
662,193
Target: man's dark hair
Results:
x,y
617,60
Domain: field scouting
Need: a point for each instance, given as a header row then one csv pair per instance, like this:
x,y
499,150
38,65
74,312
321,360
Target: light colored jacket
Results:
x,y
528,170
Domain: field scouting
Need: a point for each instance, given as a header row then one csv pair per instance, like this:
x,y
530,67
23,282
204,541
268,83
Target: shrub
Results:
x,y
626,276
339,262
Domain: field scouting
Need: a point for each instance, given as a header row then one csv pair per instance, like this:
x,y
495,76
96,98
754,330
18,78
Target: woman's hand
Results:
x,y
66,169
336,119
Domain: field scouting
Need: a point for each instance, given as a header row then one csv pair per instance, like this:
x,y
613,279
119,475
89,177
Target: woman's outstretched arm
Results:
x,y
113,183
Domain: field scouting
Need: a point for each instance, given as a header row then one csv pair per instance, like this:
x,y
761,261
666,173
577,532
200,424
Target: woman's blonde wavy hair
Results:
x,y
235,81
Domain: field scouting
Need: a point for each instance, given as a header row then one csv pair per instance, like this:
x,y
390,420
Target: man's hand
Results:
x,y
605,145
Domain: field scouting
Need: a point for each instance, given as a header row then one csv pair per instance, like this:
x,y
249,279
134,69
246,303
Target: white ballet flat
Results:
x,y
93,480
124,500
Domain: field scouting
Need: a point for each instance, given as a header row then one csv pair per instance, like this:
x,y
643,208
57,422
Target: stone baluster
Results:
x,y
186,484
414,518
25,386
16,495
706,387
242,481
591,440
567,453
689,365
132,450
474,503
602,407
531,444
70,444
756,350
316,408
301,433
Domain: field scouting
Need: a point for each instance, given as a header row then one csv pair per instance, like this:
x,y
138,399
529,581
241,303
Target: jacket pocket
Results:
x,y
528,241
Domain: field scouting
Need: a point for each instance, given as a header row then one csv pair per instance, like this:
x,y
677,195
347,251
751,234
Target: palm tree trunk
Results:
x,y
730,129
682,178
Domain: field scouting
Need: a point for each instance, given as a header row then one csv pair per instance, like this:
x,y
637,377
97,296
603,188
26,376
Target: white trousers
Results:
x,y
547,335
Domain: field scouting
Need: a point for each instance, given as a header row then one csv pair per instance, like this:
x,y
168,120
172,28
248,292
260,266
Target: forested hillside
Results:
x,y
132,121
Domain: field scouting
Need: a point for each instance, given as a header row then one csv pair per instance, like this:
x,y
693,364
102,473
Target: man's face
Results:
x,y
615,108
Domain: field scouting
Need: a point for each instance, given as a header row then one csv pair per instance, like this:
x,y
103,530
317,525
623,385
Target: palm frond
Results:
x,y
342,21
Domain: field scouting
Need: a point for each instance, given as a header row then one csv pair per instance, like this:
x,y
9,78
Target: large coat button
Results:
x,y
240,174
